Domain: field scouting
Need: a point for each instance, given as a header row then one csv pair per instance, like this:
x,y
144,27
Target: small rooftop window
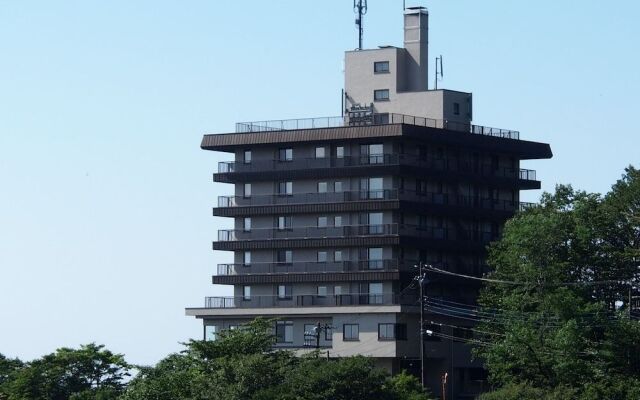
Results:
x,y
381,67
381,95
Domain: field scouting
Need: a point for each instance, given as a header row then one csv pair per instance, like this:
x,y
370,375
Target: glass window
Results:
x,y
381,95
247,157
456,108
246,225
340,152
247,190
247,258
310,332
285,188
337,256
374,258
246,293
284,331
322,187
328,333
337,186
233,327
285,154
337,290
285,256
386,332
381,67
210,332
284,222
376,190
350,332
337,220
284,291
375,223
322,256
372,153
322,222
320,152
322,291
375,293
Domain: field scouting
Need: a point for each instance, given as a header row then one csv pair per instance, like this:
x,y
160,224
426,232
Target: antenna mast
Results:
x,y
439,72
360,8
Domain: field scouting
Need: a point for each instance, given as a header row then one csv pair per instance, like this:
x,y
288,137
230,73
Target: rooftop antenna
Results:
x,y
359,8
439,72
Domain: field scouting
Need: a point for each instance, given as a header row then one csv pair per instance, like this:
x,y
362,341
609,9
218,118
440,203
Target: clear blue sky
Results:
x,y
105,206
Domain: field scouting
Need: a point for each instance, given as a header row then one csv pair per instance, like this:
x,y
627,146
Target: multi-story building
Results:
x,y
331,215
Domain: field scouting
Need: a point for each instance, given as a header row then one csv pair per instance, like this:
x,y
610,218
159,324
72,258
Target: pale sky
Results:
x,y
105,208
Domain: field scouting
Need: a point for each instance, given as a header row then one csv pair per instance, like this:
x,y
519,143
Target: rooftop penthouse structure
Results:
x,y
332,214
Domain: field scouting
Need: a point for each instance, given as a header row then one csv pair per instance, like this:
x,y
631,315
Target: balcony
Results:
x,y
306,267
314,232
310,301
371,195
226,169
378,119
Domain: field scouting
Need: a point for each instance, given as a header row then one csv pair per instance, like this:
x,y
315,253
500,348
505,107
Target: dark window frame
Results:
x,y
377,70
378,95
344,333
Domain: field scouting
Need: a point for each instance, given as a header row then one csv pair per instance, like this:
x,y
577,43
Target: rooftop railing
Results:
x,y
311,300
379,119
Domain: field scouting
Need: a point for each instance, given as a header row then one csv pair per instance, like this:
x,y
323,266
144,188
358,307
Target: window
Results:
x,y
328,333
285,154
375,293
284,292
372,153
374,258
340,152
284,222
381,95
337,186
247,157
285,188
246,293
210,332
337,290
284,331
322,291
392,332
322,256
246,258
373,223
322,222
310,332
337,256
284,256
233,327
337,220
456,108
350,332
247,190
372,188
320,152
386,332
322,187
246,225
381,67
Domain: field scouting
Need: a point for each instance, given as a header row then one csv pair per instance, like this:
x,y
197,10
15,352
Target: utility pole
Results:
x,y
317,331
421,282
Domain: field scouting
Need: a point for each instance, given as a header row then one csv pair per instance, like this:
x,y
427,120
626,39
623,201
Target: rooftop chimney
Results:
x,y
416,43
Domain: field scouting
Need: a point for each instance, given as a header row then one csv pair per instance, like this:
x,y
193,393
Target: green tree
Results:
x,y
9,367
564,323
91,372
242,364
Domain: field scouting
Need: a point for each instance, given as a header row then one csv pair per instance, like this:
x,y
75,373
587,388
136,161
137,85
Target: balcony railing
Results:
x,y
310,301
437,164
379,119
367,195
314,232
307,267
